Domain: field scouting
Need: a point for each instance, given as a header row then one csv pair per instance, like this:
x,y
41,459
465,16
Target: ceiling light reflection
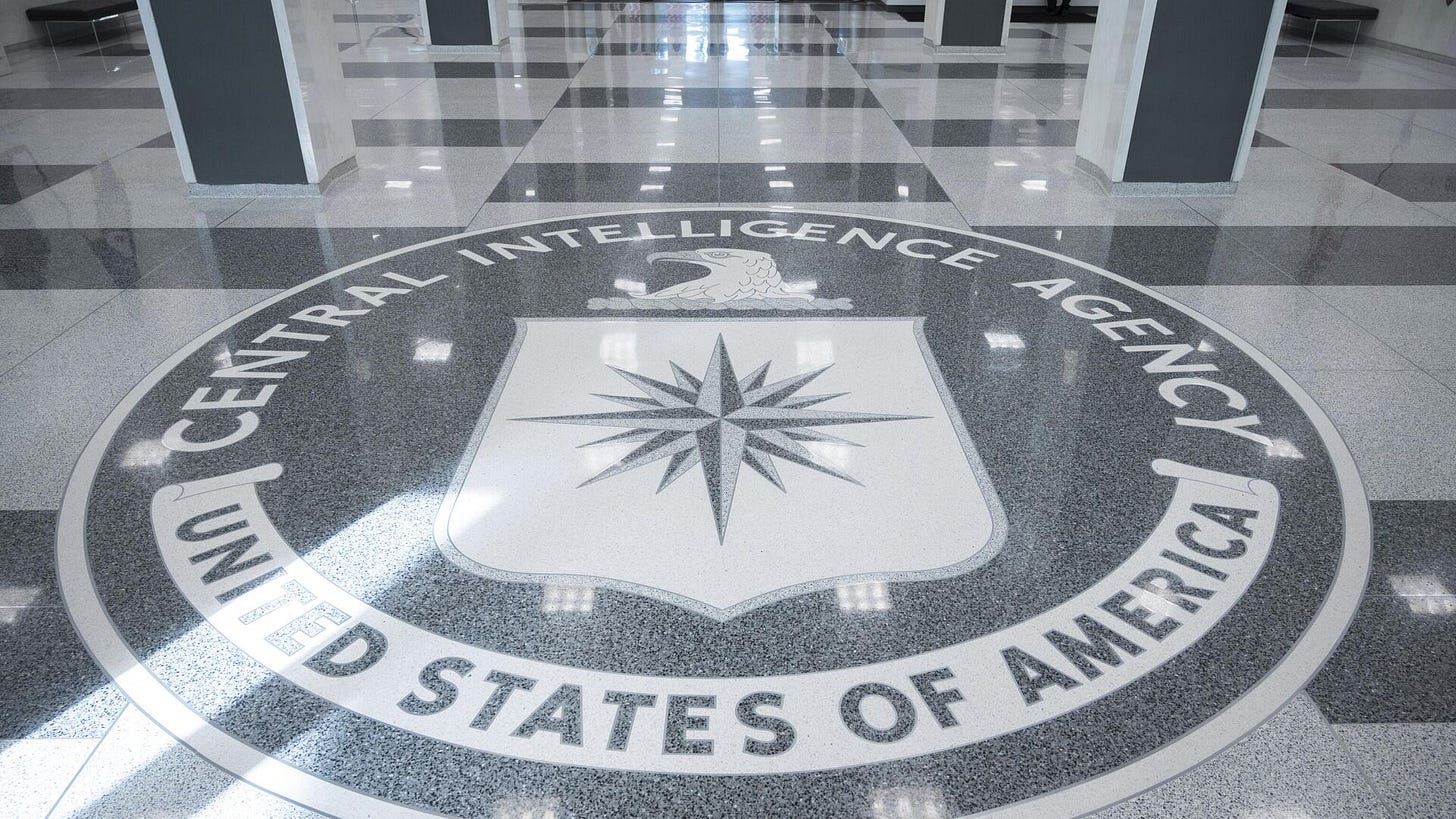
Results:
x,y
871,596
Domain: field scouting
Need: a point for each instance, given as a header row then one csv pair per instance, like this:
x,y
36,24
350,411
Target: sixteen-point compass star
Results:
x,y
722,422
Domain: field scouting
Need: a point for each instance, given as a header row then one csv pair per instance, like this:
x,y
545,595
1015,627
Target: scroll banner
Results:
x,y
233,566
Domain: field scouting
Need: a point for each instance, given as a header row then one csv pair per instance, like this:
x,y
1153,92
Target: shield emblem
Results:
x,y
720,465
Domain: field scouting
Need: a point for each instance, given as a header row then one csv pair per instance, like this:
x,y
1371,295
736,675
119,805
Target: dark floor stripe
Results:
x,y
962,133
565,31
725,182
1359,254
1360,98
1411,181
918,33
879,33
1263,140
119,50
1303,51
461,70
718,49
971,71
449,133
373,18
628,97
96,98
1398,660
693,17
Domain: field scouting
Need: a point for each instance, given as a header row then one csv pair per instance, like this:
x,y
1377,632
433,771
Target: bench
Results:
x,y
1331,11
80,11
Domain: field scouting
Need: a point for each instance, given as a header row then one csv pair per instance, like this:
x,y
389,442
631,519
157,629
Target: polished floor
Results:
x,y
1334,263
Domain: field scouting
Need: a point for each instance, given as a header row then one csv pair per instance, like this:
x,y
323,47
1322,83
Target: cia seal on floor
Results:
x,y
713,513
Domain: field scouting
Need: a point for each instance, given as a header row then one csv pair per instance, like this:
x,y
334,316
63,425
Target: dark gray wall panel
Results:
x,y
226,69
459,22
1202,61
973,22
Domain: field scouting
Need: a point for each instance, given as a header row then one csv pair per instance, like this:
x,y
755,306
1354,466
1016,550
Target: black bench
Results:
x,y
1331,11
80,11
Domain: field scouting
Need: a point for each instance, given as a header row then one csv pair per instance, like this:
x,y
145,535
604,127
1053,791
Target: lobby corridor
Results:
x,y
732,409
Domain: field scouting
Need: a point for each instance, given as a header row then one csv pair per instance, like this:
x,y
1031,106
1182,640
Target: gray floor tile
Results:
x,y
655,98
398,186
80,97
140,770
368,96
37,772
781,96
48,420
1041,186
65,258
1418,321
672,145
1414,766
1440,120
955,99
133,333
79,137
276,258
1293,326
1401,427
608,182
1062,97
1412,181
1356,136
500,98
29,319
1445,210
930,213
140,188
1290,766
686,123
1445,376
505,213
829,182
646,72
882,144
1354,73
792,72
1284,187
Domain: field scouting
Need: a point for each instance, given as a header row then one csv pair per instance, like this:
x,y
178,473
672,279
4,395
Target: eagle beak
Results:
x,y
689,256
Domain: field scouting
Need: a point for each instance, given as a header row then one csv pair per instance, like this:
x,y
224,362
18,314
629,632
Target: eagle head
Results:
x,y
719,259
733,275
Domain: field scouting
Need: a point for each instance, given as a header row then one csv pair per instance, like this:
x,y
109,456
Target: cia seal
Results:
x,y
708,513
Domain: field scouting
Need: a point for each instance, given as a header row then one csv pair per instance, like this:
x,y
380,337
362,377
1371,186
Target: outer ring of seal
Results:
x,y
248,763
